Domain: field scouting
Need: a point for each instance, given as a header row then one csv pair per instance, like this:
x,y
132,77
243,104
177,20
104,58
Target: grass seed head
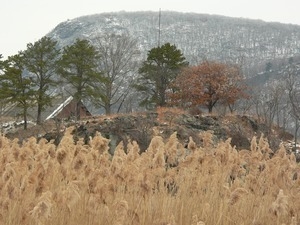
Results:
x,y
280,205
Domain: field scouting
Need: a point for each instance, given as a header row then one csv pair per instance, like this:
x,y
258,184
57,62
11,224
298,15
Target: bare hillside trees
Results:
x,y
292,84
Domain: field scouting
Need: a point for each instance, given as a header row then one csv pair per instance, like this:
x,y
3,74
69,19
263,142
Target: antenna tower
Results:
x,y
159,16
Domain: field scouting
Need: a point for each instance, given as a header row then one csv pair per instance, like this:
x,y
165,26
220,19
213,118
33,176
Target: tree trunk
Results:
x,y
39,105
296,133
39,113
210,106
25,118
77,111
107,109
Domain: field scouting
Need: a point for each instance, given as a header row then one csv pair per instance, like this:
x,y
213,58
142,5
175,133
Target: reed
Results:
x,y
168,184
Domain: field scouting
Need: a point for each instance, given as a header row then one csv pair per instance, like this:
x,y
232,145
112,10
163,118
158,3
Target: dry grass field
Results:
x,y
169,184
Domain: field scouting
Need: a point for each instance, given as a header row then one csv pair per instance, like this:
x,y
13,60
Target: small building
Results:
x,y
62,108
67,110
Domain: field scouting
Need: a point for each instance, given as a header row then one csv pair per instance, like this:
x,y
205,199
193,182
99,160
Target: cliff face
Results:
x,y
251,43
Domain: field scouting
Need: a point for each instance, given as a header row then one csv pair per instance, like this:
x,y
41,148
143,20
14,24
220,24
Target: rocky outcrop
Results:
x,y
142,127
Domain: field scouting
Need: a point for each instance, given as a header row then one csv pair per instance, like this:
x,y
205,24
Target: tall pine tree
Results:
x,y
40,60
162,66
15,88
79,69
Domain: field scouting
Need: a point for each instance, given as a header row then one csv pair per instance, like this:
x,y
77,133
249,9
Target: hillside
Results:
x,y
264,50
252,43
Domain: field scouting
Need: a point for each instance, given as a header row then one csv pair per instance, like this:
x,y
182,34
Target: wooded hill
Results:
x,y
262,50
251,43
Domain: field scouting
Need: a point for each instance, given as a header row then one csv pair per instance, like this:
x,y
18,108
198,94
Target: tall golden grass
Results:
x,y
166,185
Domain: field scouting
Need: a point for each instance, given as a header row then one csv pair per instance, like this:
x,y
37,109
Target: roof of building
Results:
x,y
59,108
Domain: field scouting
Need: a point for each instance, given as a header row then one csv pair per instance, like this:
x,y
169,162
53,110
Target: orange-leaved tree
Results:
x,y
206,84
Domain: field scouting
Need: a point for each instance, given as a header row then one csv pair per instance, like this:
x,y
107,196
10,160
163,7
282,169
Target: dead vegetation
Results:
x,y
141,127
168,183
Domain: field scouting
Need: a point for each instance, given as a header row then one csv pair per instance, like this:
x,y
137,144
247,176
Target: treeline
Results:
x,y
82,70
106,73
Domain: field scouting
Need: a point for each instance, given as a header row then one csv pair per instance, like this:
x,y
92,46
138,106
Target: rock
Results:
x,y
140,128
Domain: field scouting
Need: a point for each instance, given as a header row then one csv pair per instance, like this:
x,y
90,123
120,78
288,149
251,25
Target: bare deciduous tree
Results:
x,y
118,64
292,81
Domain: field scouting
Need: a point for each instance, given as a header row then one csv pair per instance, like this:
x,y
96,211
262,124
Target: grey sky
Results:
x,y
26,21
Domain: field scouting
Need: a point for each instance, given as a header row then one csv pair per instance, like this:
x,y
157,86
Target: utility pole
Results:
x,y
159,16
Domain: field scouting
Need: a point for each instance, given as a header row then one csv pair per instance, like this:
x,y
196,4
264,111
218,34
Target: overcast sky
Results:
x,y
26,21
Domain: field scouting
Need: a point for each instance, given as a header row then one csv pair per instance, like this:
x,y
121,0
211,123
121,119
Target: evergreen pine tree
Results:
x,y
15,88
78,68
162,66
40,60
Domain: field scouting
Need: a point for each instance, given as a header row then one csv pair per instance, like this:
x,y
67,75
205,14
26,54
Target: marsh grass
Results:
x,y
166,185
